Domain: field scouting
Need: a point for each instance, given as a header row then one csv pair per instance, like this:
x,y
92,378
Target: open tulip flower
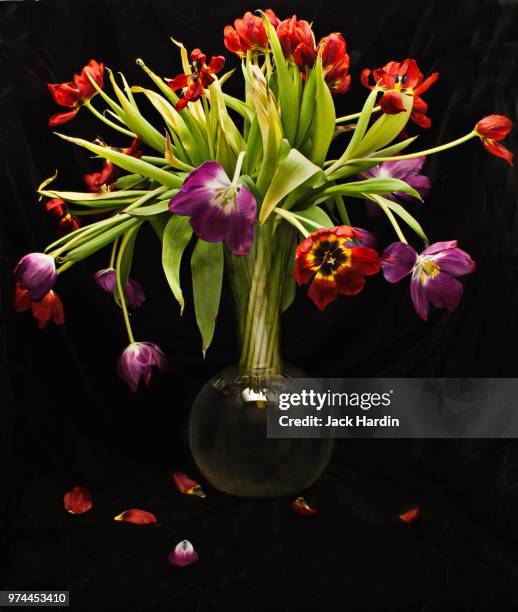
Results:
x,y
238,181
397,79
76,93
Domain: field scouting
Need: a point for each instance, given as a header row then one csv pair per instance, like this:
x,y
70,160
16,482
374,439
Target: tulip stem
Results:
x,y
347,118
65,266
114,250
125,313
100,116
444,147
239,165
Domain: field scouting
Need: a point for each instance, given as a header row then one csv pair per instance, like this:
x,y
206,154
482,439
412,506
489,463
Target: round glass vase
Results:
x,y
228,423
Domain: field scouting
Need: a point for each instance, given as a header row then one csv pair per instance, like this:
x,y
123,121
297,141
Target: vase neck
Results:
x,y
258,281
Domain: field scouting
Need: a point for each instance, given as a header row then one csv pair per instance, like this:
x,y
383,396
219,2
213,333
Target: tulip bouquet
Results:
x,y
247,180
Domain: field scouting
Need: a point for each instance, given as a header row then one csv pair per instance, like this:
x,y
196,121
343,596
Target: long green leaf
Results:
x,y
377,186
151,210
324,117
292,171
129,163
175,238
207,278
96,200
406,216
101,240
361,125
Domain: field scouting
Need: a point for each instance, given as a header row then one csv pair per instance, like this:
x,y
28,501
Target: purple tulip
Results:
x,y
408,170
133,292
219,210
183,554
434,273
36,272
136,362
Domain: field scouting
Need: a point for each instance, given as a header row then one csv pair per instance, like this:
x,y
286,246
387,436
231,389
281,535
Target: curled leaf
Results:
x,y
410,516
137,517
301,506
183,554
187,486
78,500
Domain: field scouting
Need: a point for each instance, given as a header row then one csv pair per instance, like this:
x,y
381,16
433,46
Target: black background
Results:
x,y
67,420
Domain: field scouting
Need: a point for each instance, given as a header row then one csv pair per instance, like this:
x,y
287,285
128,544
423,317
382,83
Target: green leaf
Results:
x,y
151,210
324,118
207,278
358,189
287,92
96,200
129,163
176,236
315,215
307,109
402,213
361,125
101,240
126,260
240,107
292,171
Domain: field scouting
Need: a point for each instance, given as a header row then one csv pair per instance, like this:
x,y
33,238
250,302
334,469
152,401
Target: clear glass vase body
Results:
x,y
228,424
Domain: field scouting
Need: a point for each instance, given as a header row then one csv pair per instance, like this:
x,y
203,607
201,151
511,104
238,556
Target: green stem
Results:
x,y
104,119
347,118
444,147
120,290
64,267
114,251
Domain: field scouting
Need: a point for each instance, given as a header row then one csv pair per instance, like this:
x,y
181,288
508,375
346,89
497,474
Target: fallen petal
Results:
x,y
183,554
137,517
410,516
301,506
187,486
78,500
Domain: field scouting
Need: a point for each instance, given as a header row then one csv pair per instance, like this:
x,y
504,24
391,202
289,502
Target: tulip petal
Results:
x,y
187,486
301,507
183,554
455,262
418,295
78,500
444,291
410,516
137,517
397,261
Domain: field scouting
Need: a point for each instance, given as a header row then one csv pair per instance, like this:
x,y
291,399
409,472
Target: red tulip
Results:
x,y
249,33
78,500
492,129
49,307
397,79
58,210
292,33
75,93
105,179
200,77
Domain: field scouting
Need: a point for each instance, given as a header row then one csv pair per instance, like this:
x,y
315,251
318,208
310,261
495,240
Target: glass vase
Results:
x,y
228,424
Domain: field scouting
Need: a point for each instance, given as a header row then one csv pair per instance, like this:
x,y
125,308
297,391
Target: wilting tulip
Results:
x,y
434,273
249,34
78,500
137,517
335,61
58,210
36,272
105,179
183,554
49,307
491,130
332,262
293,32
397,79
133,292
75,93
200,77
219,209
136,363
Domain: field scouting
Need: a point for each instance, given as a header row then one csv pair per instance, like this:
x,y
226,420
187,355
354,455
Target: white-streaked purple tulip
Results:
x,y
133,292
36,272
183,554
434,273
219,210
136,363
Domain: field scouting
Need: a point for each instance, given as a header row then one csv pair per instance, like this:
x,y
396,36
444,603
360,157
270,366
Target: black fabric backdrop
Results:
x,y
67,420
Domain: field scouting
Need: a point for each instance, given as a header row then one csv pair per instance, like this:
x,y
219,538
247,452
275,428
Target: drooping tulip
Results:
x,y
36,272
137,361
